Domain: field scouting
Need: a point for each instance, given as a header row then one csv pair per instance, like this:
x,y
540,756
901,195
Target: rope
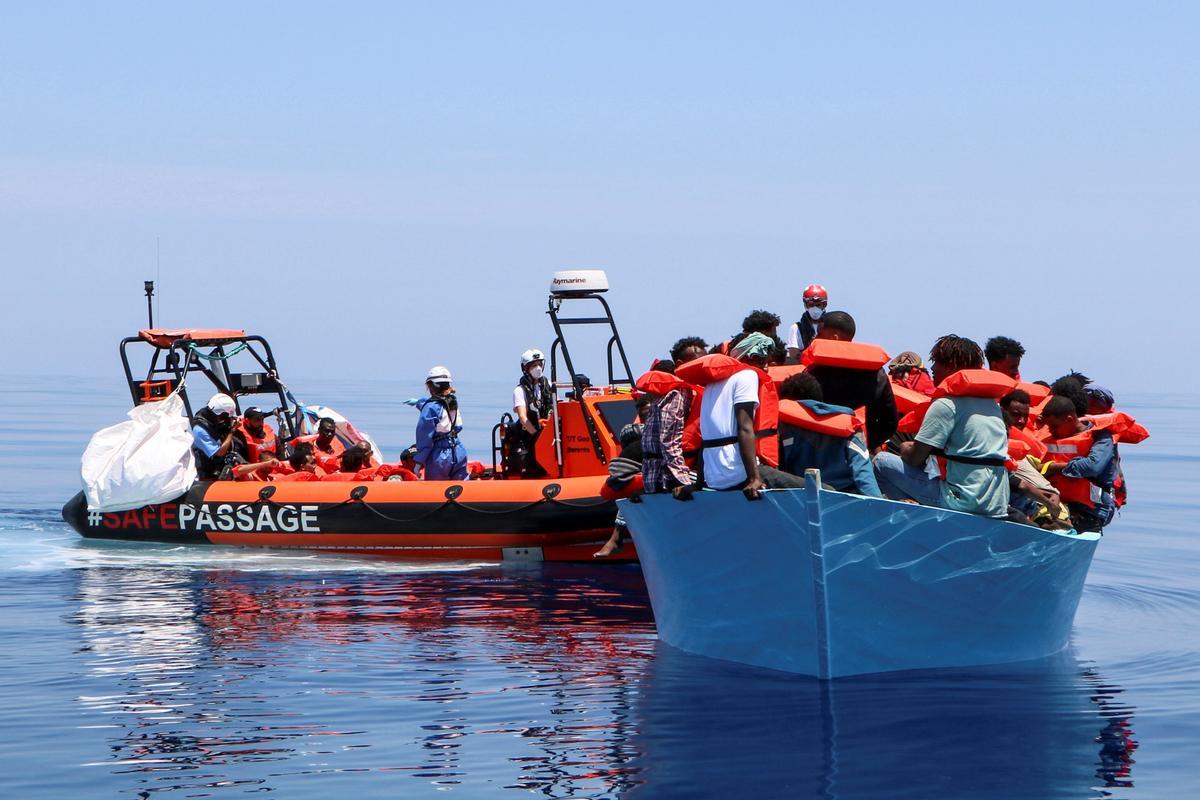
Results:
x,y
214,357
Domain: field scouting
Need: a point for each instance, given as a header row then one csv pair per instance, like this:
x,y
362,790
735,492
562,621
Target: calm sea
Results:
x,y
145,671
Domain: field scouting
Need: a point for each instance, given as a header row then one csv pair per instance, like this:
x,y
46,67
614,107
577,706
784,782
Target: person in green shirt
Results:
x,y
968,431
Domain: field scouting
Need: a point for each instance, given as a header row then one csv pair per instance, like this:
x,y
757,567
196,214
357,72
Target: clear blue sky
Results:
x,y
392,184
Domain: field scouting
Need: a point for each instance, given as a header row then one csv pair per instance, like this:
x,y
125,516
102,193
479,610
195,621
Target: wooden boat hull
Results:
x,y
829,584
529,520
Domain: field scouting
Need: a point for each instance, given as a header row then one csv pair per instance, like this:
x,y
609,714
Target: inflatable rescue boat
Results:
x,y
496,516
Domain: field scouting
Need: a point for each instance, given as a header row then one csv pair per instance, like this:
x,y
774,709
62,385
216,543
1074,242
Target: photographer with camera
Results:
x,y
439,452
213,438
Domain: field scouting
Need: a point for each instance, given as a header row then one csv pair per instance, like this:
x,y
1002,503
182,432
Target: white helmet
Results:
x,y
438,374
221,404
531,355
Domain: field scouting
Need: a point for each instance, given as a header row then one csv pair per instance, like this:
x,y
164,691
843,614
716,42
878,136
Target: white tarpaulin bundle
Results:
x,y
143,461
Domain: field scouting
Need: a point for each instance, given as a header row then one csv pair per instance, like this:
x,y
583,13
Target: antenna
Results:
x,y
149,286
158,270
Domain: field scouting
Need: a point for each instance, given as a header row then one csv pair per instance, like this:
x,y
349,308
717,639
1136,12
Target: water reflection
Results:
x,y
543,679
1043,730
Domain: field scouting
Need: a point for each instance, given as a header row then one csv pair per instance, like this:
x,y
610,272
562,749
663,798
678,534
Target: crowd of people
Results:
x,y
754,412
958,435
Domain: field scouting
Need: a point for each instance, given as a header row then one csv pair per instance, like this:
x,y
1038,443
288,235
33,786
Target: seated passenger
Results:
x,y
302,464
354,465
1083,464
1004,356
824,437
1099,399
757,321
624,474
533,399
665,450
326,446
857,388
213,439
407,470
909,371
439,452
1030,493
255,436
739,418
967,431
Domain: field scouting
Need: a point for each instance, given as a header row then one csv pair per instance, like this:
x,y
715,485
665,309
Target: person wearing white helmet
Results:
x,y
816,300
533,398
439,452
213,436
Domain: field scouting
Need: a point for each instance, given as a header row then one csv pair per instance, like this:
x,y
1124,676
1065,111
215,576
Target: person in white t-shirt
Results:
x,y
727,412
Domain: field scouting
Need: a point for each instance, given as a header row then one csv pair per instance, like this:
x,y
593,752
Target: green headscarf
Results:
x,y
755,344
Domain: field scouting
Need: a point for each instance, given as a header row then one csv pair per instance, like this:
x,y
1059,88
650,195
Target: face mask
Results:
x,y
536,373
815,312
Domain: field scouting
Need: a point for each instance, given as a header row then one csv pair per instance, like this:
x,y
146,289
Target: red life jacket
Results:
x,y
1037,393
843,426
907,399
329,460
1082,490
964,383
1022,443
299,475
713,368
258,448
386,471
916,381
661,384
851,355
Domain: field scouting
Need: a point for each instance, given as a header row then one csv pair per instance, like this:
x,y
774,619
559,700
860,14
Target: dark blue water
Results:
x,y
134,670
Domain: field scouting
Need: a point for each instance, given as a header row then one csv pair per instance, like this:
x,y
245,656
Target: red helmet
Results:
x,y
815,291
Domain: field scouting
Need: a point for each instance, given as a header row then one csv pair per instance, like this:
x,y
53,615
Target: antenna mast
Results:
x,y
149,285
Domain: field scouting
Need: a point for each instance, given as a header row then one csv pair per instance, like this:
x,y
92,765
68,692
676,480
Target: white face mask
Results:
x,y
536,373
815,312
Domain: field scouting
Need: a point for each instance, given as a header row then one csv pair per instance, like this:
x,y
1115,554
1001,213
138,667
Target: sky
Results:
x,y
380,187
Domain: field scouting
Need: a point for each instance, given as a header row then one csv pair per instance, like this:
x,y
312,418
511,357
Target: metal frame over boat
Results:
x,y
561,517
829,584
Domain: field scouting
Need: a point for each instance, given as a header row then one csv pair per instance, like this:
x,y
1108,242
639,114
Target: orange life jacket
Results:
x,y
1082,490
842,426
851,355
907,399
386,471
329,460
713,368
964,383
781,374
258,447
660,384
1037,393
1022,443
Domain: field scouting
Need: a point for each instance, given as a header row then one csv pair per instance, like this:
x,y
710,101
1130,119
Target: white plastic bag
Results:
x,y
141,462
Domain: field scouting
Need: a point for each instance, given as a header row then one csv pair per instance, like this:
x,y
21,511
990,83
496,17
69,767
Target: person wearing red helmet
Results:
x,y
816,299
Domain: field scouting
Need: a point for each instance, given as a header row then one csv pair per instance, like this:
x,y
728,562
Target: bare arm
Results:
x,y
747,448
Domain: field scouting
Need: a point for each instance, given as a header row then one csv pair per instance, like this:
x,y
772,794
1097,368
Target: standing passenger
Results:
x,y
439,452
1004,355
816,299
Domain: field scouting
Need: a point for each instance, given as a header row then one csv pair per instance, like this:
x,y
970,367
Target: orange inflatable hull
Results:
x,y
487,520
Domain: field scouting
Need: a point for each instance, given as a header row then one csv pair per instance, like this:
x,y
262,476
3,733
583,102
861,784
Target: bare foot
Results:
x,y
613,545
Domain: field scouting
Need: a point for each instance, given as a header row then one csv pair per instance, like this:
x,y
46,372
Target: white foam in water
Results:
x,y
29,550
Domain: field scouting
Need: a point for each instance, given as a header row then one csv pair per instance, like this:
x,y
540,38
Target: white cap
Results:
x,y
438,374
531,355
221,404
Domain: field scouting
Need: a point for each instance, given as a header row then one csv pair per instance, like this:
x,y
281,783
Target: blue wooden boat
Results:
x,y
828,584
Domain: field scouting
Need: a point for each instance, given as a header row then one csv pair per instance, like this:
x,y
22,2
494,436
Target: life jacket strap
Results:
x,y
725,441
986,461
